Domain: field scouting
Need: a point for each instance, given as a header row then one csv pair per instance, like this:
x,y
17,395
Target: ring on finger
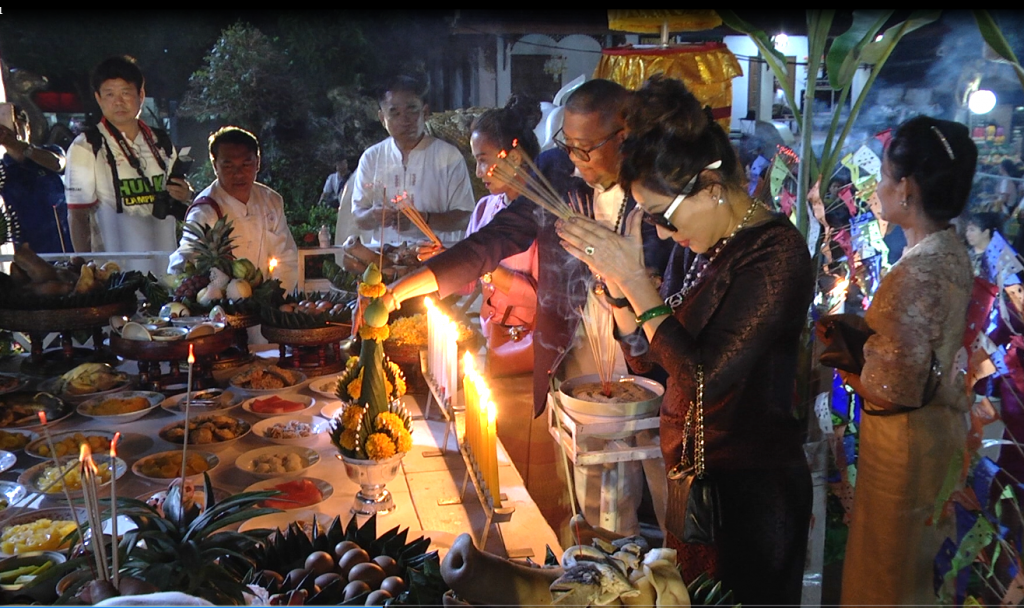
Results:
x,y
589,250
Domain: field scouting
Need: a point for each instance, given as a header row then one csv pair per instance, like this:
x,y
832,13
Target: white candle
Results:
x,y
113,507
188,403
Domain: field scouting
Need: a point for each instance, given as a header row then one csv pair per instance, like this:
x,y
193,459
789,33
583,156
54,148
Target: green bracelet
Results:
x,y
657,311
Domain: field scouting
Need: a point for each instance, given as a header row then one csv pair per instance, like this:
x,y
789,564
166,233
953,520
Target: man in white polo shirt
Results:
x,y
116,176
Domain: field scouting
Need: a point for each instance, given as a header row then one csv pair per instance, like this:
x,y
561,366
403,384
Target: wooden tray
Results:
x,y
66,319
176,350
306,337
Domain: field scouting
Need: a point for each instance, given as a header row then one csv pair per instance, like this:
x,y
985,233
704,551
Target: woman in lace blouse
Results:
x,y
913,423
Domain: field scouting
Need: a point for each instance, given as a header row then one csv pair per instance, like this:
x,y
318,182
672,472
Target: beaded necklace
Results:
x,y
700,265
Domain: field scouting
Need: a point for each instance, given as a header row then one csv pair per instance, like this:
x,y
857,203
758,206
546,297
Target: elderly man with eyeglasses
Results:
x,y
586,164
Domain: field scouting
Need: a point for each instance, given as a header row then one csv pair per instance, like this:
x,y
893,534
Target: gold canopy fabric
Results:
x,y
707,69
649,20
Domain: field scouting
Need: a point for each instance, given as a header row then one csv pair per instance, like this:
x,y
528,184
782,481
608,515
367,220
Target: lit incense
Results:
x,y
113,509
188,404
92,509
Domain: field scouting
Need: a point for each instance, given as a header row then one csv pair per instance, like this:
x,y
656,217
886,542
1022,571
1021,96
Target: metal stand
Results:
x,y
496,514
572,436
446,403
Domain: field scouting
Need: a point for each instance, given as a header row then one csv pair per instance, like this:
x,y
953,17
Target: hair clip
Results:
x,y
945,142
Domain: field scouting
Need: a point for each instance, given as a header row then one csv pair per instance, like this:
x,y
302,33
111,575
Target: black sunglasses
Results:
x,y
580,153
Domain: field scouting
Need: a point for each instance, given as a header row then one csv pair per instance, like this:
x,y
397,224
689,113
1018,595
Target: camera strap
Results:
x,y
133,159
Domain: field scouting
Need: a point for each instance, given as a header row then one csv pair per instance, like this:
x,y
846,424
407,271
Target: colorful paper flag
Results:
x,y
885,137
867,160
846,195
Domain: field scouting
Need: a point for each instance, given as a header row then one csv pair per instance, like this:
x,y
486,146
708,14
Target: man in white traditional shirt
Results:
x,y
256,212
116,176
431,171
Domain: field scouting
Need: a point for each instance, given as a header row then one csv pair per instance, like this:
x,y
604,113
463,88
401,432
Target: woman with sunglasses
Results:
x,y
738,319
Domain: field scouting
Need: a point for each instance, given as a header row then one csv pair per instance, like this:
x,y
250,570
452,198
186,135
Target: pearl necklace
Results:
x,y
695,274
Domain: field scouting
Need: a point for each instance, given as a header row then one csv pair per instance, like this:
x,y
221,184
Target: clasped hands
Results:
x,y
616,258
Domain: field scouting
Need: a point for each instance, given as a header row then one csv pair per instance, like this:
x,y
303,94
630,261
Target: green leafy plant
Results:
x,y
188,550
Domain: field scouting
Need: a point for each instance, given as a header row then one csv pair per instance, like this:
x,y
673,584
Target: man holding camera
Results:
x,y
118,194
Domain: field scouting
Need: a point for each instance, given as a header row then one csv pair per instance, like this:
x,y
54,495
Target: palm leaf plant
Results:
x,y
188,550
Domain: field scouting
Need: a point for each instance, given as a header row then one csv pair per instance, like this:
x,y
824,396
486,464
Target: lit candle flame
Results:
x,y
113,442
191,354
271,265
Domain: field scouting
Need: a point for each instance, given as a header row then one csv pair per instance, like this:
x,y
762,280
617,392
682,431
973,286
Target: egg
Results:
x,y
294,577
320,562
355,588
387,564
393,585
324,580
344,547
377,598
369,572
352,558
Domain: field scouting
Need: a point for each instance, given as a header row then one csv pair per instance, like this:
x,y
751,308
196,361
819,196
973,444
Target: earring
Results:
x,y
903,203
721,199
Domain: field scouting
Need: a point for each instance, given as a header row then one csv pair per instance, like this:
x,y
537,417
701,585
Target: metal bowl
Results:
x,y
608,411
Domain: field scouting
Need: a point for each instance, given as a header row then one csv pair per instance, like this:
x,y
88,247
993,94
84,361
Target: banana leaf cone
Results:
x,y
373,393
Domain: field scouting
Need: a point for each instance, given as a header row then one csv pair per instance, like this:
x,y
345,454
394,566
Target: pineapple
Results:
x,y
212,246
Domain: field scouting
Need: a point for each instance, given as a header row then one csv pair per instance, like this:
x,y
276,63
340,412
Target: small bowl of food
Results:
x,y
164,466
22,576
205,401
86,381
69,443
275,405
261,379
296,492
290,430
277,461
193,495
211,431
49,478
11,382
325,386
169,334
119,408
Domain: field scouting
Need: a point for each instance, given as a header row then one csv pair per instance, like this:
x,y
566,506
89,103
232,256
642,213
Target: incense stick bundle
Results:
x,y
532,184
405,206
599,324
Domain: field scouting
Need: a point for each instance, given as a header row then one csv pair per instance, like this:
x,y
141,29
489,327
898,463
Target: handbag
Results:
x,y
509,350
690,485
844,337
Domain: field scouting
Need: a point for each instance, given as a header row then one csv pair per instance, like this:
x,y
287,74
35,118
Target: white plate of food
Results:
x,y
38,530
276,405
87,381
205,401
297,492
165,466
290,430
281,521
16,439
119,408
277,461
325,386
45,477
20,410
68,443
209,432
263,379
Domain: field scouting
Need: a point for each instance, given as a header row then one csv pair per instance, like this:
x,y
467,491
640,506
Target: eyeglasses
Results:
x,y
580,153
661,219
